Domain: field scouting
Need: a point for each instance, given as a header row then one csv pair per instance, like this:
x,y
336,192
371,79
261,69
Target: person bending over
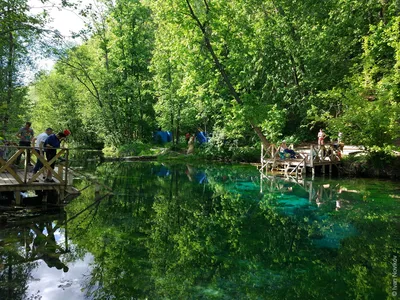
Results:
x,y
51,145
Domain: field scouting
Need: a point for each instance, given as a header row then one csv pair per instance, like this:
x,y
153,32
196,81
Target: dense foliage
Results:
x,y
278,69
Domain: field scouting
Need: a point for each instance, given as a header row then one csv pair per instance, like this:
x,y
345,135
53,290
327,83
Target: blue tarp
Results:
x,y
163,136
201,137
201,177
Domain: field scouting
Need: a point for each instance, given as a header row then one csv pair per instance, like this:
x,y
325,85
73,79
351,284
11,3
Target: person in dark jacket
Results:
x,y
52,143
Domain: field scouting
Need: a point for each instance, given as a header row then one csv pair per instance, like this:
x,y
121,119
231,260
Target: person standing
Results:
x,y
190,149
321,136
39,147
25,135
51,145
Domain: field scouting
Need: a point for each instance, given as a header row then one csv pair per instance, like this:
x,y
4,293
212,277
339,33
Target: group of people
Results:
x,y
46,144
283,148
337,144
322,135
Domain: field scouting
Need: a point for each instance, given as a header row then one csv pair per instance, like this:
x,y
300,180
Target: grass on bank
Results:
x,y
170,151
378,162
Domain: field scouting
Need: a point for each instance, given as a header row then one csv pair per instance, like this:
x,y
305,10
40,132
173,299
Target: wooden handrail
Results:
x,y
6,165
298,165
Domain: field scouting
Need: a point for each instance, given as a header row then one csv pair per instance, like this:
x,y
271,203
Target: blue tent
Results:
x,y
163,136
201,138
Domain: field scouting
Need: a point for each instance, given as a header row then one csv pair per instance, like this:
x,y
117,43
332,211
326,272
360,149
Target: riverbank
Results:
x,y
373,164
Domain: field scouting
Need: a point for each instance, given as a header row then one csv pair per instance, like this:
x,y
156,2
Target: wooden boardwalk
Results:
x,y
313,157
17,180
9,183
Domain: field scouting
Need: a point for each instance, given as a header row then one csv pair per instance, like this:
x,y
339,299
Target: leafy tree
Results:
x,y
19,32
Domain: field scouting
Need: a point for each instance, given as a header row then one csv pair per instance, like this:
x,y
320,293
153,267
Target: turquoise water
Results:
x,y
207,232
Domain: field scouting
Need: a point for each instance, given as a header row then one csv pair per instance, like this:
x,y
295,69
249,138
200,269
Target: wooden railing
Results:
x,y
306,157
321,154
7,164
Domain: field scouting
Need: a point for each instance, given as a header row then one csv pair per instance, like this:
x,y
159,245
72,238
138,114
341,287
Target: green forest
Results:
x,y
245,71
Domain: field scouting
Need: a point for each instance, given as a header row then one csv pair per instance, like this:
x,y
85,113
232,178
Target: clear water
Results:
x,y
207,232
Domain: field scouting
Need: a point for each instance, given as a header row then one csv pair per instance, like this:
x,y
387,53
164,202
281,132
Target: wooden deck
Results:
x,y
9,183
19,179
311,158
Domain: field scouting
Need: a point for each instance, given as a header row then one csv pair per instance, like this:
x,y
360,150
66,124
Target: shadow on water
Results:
x,y
215,231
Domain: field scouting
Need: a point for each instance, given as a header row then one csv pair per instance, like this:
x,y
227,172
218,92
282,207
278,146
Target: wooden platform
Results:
x,y
271,160
9,183
21,179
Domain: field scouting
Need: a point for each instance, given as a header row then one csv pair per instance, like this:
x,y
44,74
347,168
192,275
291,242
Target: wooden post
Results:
x,y
66,233
66,168
60,170
17,195
26,165
312,157
61,195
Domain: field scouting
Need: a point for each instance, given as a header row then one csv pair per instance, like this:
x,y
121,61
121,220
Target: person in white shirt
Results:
x,y
39,142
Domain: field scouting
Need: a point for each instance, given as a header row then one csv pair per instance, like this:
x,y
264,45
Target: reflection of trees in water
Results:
x,y
169,237
44,245
22,246
14,275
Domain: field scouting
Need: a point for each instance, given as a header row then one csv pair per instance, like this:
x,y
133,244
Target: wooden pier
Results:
x,y
306,158
322,192
20,180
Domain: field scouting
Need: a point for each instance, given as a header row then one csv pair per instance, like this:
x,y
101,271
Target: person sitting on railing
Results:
x,y
283,148
51,145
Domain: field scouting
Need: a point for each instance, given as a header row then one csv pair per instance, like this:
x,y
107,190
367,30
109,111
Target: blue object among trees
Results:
x,y
162,136
201,138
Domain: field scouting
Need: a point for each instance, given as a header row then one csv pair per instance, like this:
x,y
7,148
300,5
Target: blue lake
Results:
x,y
161,231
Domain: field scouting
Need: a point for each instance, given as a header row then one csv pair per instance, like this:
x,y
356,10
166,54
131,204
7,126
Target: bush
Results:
x,y
379,162
246,154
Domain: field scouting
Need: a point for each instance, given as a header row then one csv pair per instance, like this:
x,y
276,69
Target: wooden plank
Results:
x,y
2,181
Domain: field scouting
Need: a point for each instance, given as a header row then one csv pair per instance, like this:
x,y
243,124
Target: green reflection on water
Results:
x,y
222,232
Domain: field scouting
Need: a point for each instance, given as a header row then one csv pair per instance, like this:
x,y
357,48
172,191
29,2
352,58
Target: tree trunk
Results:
x,y
10,75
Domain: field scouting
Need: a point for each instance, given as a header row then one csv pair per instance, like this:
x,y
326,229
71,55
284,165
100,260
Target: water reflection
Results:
x,y
24,247
188,232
